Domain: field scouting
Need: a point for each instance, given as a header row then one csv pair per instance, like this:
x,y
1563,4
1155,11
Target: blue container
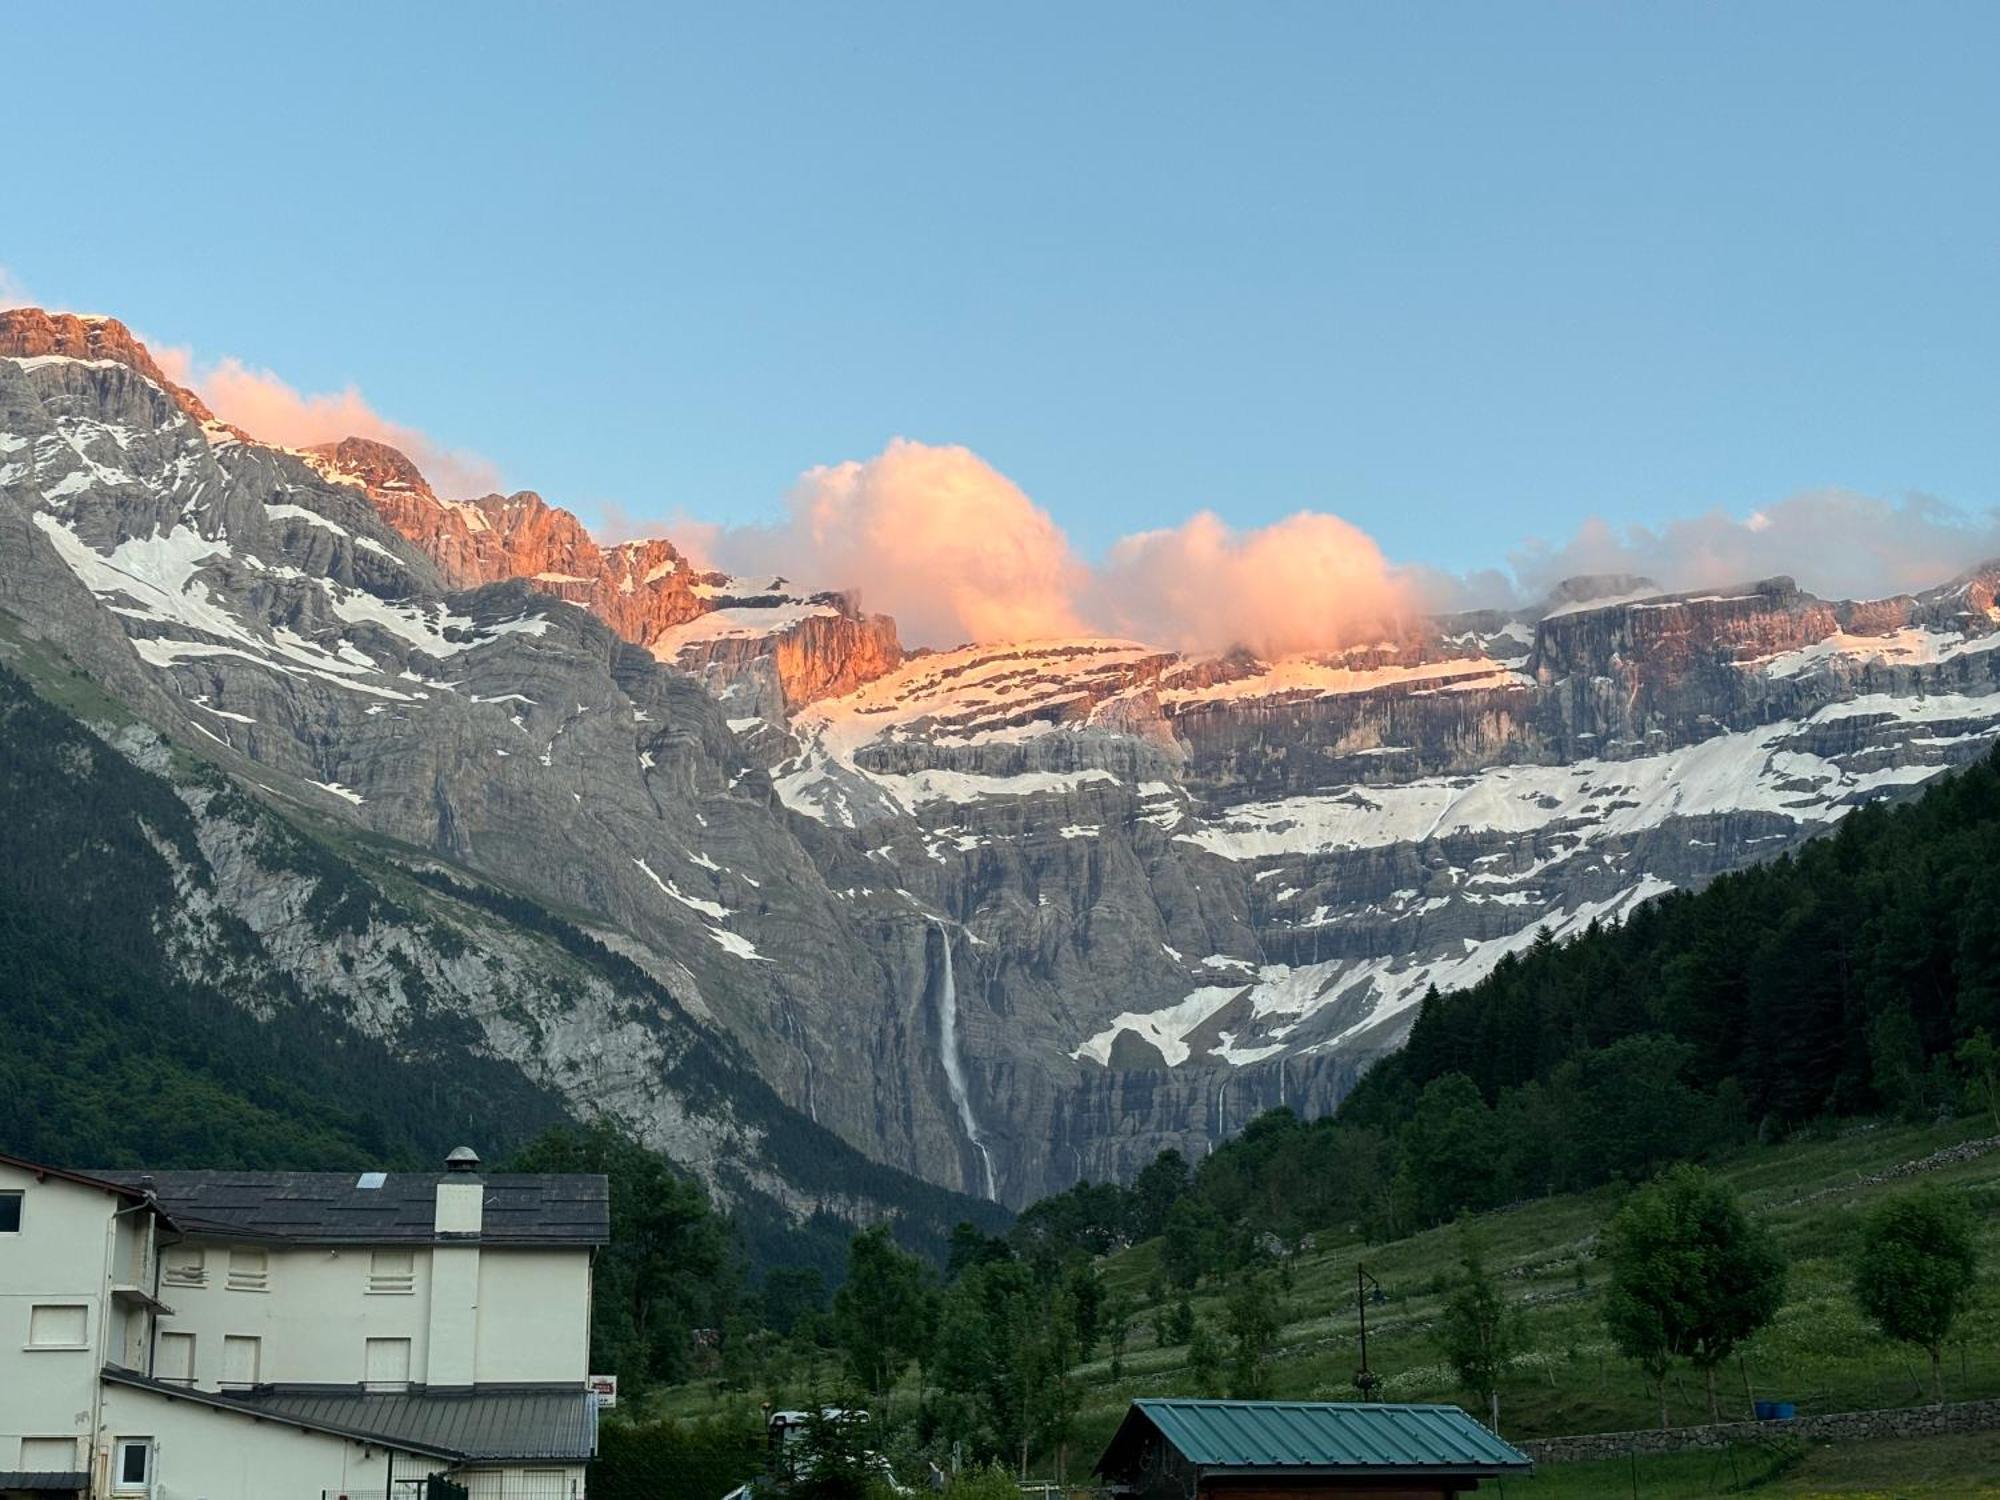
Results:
x,y
1783,1411
1767,1411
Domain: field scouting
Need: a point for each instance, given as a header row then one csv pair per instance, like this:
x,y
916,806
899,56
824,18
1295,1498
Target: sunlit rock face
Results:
x,y
752,632
30,332
1173,891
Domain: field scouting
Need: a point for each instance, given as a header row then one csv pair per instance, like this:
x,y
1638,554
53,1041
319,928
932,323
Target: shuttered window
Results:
x,y
249,1271
58,1325
392,1272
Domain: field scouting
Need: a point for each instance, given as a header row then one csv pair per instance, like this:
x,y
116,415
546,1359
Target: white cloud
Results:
x,y
1836,543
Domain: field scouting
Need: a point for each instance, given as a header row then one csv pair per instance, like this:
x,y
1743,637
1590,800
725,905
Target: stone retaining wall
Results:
x,y
1836,1427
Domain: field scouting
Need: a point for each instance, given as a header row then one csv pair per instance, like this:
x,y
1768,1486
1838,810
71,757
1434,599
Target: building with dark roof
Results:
x,y
1298,1450
247,1334
375,1208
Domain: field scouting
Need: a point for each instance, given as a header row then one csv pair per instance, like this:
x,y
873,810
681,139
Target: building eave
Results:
x,y
118,1375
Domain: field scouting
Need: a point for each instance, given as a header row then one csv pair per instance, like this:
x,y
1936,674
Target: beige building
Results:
x,y
216,1335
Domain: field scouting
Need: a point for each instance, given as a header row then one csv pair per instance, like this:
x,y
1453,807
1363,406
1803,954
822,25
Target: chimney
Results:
x,y
461,1196
451,1353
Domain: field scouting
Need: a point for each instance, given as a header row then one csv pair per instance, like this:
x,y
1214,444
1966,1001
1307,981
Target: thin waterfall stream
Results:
x,y
954,1069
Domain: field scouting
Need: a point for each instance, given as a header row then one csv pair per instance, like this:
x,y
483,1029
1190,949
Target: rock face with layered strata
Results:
x,y
647,591
1037,909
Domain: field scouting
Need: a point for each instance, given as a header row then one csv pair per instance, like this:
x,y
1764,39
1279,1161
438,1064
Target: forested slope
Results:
x,y
160,1006
1857,976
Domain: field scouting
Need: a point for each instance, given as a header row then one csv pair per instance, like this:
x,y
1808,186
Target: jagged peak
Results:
x,y
29,331
375,464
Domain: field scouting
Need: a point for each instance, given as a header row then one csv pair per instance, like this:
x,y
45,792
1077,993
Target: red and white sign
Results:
x,y
604,1388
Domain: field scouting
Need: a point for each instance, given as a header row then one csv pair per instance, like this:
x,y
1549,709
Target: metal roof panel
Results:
x,y
1346,1436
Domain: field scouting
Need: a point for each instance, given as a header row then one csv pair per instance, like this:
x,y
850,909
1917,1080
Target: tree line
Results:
x,y
1859,975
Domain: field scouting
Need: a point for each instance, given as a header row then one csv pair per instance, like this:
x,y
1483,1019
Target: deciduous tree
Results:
x,y
1919,1257
1691,1277
1476,1333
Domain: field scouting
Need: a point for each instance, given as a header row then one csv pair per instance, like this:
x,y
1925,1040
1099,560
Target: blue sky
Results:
x,y
1461,274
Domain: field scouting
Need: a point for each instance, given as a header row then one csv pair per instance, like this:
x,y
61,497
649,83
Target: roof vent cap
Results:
x,y
462,1159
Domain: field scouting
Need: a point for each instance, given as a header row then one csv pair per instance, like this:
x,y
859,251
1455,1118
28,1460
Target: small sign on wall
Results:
x,y
605,1389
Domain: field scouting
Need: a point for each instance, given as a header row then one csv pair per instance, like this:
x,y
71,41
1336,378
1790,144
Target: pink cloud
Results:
x,y
939,538
273,411
1311,582
932,535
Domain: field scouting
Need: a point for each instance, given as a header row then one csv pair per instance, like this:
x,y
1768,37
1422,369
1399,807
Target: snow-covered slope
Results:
x,y
1032,910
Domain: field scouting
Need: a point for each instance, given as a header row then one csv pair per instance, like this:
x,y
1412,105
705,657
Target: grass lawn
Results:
x,y
1819,1353
1946,1468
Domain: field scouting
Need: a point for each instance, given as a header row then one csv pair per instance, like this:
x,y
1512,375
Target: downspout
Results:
x,y
153,1316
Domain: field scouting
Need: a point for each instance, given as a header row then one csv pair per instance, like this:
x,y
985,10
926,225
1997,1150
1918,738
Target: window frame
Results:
x,y
226,1380
19,1198
120,1448
68,1441
383,1283
32,1347
247,1280
409,1360
193,1350
186,1271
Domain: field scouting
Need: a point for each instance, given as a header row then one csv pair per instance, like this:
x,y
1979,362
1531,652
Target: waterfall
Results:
x,y
954,1070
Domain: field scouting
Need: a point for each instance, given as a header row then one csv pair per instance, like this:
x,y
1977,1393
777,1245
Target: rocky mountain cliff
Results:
x,y
648,592
1003,916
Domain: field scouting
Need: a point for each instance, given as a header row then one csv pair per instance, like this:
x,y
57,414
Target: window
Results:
x,y
58,1325
242,1359
386,1365
185,1267
49,1455
10,1213
249,1271
392,1271
133,1463
174,1360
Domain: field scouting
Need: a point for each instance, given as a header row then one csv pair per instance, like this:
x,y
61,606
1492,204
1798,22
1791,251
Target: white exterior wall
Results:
x,y
535,1481
200,1453
534,1316
68,1252
474,1314
314,1316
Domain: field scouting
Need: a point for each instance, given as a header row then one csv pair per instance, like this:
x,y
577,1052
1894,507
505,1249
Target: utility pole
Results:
x,y
1365,1380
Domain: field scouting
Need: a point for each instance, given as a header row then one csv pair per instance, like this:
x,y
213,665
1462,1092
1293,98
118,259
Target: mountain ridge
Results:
x,y
1056,903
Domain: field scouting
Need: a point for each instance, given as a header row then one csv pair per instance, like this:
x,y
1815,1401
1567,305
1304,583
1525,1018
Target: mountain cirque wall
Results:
x,y
646,591
1171,892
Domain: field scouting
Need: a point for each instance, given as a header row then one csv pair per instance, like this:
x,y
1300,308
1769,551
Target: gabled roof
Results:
x,y
131,1192
484,1424
1314,1437
522,1208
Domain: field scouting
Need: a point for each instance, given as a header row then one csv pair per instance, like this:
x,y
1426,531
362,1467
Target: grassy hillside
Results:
x,y
1819,1353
